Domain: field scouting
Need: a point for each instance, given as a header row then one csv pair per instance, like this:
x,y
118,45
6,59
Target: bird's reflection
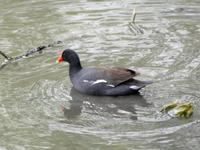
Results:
x,y
115,106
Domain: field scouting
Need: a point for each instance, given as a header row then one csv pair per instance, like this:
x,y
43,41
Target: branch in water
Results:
x,y
39,50
133,16
132,25
5,56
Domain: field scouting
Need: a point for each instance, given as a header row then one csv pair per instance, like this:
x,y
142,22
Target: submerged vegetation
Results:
x,y
179,110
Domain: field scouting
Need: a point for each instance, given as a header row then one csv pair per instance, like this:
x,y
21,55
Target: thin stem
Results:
x,y
39,50
5,56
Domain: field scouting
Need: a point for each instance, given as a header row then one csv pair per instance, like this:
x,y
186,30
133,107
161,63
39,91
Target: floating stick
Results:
x,y
133,16
39,50
132,25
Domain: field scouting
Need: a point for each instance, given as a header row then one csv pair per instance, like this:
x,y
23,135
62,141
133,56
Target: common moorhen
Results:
x,y
99,81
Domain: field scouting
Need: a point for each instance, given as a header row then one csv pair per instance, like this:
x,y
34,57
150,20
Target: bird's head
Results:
x,y
68,55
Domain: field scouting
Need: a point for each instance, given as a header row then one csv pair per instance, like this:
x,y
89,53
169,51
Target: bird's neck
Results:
x,y
74,68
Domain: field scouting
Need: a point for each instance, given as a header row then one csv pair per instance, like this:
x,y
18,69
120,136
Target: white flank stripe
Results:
x,y
110,85
85,81
134,87
99,81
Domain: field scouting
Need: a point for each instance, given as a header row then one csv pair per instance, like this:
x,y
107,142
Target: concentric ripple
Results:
x,y
39,109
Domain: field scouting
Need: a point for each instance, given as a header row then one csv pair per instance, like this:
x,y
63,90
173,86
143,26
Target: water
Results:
x,y
40,110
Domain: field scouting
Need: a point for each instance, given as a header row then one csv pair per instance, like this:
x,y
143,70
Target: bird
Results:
x,y
114,81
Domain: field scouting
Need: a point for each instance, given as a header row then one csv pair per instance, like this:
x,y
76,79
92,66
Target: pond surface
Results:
x,y
40,110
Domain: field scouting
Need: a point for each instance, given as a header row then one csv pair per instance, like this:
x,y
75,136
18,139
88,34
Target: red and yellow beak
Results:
x,y
60,59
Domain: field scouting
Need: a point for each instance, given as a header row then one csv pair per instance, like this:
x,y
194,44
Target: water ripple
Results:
x,y
39,108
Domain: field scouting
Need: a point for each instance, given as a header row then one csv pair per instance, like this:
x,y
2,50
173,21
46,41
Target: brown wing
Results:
x,y
116,76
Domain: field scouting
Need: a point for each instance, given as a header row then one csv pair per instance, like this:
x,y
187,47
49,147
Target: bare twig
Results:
x,y
133,16
5,56
39,50
132,25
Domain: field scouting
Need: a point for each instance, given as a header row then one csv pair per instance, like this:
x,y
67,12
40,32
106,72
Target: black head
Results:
x,y
69,56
